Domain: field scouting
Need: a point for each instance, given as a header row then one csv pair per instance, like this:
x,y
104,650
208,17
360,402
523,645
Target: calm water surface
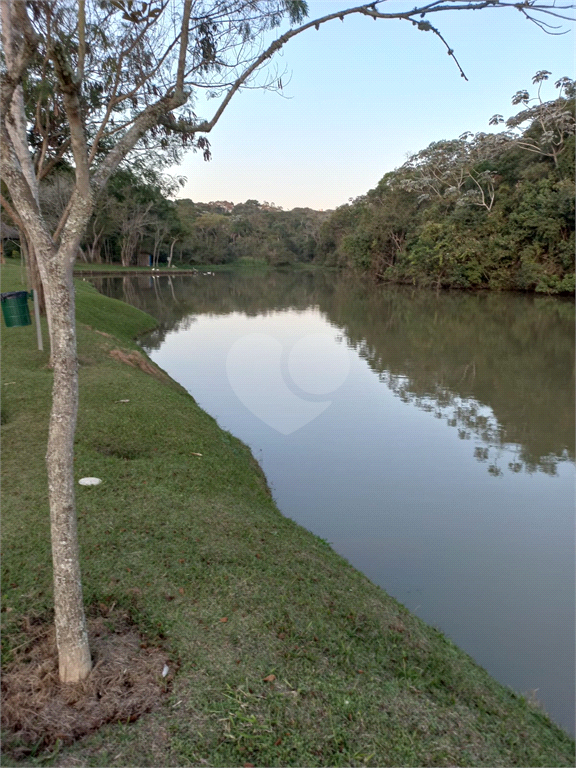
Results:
x,y
429,438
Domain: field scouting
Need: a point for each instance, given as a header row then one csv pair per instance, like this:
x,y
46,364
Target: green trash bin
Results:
x,y
15,308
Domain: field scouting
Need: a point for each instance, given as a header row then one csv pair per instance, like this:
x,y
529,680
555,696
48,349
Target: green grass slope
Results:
x,y
194,548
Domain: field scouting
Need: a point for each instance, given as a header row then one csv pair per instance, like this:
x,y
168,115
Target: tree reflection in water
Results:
x,y
497,367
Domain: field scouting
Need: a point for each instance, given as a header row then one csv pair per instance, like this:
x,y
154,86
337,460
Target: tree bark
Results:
x,y
171,251
33,273
71,635
56,270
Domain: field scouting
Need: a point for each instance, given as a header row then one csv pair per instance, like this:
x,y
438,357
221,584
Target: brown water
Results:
x,y
429,438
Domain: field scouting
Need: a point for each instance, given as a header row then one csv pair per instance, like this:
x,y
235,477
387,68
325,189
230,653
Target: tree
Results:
x,y
454,171
551,122
480,211
107,79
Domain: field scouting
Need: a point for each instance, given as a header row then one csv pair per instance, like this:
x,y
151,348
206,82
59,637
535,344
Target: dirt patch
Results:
x,y
136,360
119,452
125,682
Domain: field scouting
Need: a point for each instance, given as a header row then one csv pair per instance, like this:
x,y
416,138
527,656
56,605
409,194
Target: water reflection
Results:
x,y
475,535
498,368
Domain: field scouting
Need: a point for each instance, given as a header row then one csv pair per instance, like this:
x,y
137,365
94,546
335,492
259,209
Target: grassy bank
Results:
x,y
243,264
116,268
81,267
183,536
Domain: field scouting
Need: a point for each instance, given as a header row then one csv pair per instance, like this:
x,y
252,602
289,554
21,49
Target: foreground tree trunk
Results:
x,y
71,634
56,271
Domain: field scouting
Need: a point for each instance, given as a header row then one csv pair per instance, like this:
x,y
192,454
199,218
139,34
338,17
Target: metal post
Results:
x,y
37,320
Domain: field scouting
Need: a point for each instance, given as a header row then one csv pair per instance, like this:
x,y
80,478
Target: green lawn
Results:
x,y
181,542
80,267
244,263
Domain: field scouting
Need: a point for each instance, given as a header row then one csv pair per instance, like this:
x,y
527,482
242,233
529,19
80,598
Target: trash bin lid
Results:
x,y
13,295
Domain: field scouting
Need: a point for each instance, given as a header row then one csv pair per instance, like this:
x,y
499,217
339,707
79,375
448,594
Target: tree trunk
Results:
x,y
33,278
93,248
71,635
171,252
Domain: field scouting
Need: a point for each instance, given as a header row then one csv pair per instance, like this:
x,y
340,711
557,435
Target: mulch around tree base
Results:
x,y
125,682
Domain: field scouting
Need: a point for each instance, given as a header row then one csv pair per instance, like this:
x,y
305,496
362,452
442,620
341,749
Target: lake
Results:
x,y
428,437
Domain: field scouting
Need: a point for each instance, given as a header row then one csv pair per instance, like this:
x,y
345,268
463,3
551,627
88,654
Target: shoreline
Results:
x,y
184,536
128,271
85,270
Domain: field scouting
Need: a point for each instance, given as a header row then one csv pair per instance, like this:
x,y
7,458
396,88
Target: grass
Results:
x,y
245,263
80,267
116,267
195,550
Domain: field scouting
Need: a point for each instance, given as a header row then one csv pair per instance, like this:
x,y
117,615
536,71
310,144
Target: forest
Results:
x,y
484,210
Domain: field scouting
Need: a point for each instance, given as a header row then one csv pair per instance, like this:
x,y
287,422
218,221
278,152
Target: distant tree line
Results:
x,y
135,221
133,216
221,233
485,210
481,211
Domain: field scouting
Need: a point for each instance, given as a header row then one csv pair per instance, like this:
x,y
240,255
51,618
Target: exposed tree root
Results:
x,y
136,360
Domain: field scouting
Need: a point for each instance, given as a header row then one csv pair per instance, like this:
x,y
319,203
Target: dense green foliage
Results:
x,y
221,232
482,211
485,211
135,221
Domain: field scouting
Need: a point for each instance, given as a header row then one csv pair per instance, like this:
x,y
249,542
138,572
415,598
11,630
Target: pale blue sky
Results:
x,y
363,95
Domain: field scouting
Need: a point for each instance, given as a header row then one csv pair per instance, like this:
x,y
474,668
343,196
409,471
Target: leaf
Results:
x,y
181,590
224,619
270,678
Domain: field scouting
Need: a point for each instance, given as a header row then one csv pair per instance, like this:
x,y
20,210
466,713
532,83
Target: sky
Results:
x,y
359,96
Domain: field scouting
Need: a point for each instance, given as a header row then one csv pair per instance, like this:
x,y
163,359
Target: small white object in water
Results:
x,y
165,670
89,481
